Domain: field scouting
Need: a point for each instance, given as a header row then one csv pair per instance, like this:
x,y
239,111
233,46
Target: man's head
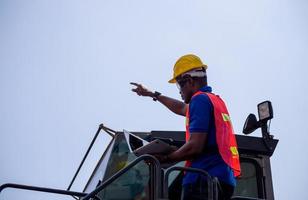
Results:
x,y
189,73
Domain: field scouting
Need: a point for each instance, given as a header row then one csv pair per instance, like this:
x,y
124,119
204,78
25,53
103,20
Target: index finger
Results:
x,y
135,84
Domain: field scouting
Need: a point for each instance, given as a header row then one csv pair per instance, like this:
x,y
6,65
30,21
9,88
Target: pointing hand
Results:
x,y
141,90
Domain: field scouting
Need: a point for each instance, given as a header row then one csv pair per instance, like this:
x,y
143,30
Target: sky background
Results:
x,y
65,67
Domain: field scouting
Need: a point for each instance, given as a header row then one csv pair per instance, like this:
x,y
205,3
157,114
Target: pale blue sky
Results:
x,y
65,67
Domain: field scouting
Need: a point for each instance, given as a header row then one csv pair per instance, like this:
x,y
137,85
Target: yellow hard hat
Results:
x,y
185,64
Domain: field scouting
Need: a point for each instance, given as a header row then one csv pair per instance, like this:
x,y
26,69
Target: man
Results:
x,y
210,141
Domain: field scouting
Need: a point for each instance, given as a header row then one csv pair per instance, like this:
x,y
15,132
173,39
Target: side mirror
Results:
x,y
251,124
265,111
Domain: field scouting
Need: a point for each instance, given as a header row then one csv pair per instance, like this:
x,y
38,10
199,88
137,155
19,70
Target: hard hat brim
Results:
x,y
172,80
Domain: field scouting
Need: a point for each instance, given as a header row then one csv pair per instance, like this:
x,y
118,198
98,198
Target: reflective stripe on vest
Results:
x,y
225,137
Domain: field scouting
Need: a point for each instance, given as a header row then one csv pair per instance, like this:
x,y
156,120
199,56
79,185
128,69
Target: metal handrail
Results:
x,y
42,189
149,159
212,182
107,130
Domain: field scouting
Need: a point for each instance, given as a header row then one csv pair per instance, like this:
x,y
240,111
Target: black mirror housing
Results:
x,y
251,124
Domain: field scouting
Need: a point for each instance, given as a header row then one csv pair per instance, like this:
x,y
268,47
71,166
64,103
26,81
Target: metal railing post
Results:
x,y
212,184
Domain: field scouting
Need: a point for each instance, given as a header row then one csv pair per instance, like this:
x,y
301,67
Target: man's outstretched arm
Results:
x,y
176,106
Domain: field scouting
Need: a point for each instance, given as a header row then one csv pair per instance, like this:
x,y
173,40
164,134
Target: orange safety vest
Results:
x,y
225,137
